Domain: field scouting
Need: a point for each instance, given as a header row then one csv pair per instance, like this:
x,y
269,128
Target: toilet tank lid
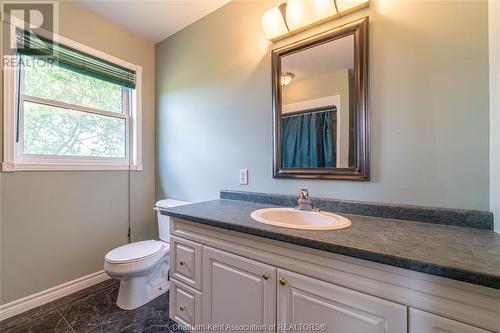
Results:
x,y
166,203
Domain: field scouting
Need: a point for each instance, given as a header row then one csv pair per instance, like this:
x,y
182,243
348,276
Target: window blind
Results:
x,y
71,59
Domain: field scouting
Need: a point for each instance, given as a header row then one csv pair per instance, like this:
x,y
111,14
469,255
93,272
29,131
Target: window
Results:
x,y
80,112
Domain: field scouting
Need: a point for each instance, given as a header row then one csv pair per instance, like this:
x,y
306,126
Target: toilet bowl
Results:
x,y
142,267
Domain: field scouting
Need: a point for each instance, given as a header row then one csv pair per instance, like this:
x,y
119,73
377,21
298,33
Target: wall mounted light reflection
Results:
x,y
295,16
286,78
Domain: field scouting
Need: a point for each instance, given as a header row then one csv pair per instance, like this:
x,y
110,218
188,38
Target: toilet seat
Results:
x,y
133,252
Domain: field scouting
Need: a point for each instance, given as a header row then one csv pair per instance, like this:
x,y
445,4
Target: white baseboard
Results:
x,y
32,301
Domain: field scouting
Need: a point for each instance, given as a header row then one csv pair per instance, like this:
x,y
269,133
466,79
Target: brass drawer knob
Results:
x,y
265,276
182,307
182,262
283,281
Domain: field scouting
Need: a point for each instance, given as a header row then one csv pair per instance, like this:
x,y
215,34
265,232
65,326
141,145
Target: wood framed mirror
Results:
x,y
320,106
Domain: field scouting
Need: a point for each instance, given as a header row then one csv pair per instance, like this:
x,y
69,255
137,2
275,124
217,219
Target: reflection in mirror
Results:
x,y
317,106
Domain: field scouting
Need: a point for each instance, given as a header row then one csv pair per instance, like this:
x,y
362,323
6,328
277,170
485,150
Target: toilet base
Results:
x,y
137,291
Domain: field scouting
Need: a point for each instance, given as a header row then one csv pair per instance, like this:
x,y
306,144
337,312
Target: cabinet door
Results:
x,y
306,301
424,322
237,290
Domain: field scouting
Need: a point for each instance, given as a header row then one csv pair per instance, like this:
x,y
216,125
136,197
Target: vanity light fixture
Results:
x,y
295,16
274,23
286,78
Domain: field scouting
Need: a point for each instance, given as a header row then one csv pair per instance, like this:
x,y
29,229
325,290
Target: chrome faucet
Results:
x,y
304,203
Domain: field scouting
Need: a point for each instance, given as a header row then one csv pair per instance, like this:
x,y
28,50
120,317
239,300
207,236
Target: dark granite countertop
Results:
x,y
464,254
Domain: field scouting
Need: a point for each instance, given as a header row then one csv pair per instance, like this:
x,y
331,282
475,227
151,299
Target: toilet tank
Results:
x,y
164,220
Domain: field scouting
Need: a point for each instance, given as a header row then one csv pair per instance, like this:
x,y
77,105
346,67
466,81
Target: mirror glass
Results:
x,y
320,108
317,106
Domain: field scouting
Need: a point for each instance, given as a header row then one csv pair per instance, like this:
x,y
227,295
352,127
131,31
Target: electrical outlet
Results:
x,y
243,176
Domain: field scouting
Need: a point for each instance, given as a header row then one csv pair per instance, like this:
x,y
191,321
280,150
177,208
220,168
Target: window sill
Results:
x,y
11,167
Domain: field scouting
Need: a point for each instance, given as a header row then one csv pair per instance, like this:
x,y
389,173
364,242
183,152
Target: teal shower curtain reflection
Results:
x,y
307,139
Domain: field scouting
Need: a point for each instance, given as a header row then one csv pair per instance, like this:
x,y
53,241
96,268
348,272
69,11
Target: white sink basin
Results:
x,y
300,219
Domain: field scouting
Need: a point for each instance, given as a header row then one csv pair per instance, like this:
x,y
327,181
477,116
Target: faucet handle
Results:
x,y
303,193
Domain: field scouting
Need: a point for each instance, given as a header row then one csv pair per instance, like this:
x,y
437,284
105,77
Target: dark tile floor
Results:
x,y
93,310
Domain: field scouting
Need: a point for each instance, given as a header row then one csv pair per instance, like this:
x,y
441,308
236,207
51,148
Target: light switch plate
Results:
x,y
243,176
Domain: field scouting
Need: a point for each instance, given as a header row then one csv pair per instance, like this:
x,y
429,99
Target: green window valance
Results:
x,y
71,59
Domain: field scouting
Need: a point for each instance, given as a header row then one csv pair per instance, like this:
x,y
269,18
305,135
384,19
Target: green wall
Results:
x,y
428,69
57,226
494,43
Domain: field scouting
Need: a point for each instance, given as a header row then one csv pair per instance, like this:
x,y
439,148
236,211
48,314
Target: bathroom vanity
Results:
x,y
387,268
378,275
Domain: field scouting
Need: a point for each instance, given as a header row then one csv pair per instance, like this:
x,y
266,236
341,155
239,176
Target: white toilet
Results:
x,y
142,266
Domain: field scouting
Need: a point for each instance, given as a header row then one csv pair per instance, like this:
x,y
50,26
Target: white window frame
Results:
x,y
15,160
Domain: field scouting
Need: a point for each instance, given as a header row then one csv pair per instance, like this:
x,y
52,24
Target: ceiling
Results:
x,y
328,57
153,19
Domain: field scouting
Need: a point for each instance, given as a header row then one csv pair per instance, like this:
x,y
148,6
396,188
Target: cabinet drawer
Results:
x,y
185,304
424,322
186,261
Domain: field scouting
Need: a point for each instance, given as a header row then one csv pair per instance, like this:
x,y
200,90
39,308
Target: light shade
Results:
x,y
297,15
273,23
301,13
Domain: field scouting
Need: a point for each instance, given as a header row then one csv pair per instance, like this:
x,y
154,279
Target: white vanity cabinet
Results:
x,y
237,290
222,277
424,322
304,300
